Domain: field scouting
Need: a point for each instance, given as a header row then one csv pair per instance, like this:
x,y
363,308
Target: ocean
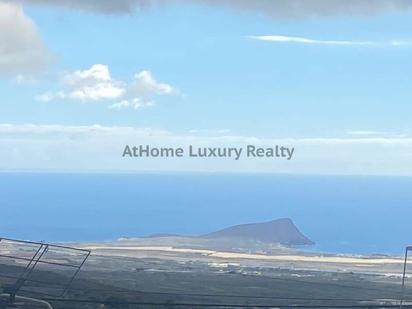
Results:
x,y
341,214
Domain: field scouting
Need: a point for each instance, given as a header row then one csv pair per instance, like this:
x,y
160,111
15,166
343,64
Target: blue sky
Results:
x,y
221,79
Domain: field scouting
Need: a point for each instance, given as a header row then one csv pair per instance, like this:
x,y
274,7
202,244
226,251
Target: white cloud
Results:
x,y
97,84
7,130
145,84
22,51
400,141
135,103
309,41
302,40
141,91
370,133
200,135
92,85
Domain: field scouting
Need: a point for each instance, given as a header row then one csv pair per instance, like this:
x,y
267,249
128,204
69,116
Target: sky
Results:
x,y
81,79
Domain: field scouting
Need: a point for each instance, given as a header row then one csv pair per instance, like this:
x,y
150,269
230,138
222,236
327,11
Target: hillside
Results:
x,y
282,231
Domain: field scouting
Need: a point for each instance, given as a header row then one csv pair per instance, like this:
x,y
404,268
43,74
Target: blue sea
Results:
x,y
341,214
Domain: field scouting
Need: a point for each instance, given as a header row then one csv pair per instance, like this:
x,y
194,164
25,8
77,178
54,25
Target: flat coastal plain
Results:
x,y
194,272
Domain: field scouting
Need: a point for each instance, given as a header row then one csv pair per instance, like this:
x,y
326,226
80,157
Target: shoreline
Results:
x,y
319,258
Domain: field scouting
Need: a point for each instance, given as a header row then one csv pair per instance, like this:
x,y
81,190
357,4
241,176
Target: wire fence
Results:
x,y
28,258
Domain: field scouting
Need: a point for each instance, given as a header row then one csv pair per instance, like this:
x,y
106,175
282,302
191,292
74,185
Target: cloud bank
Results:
x,y
22,51
97,147
97,84
276,8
